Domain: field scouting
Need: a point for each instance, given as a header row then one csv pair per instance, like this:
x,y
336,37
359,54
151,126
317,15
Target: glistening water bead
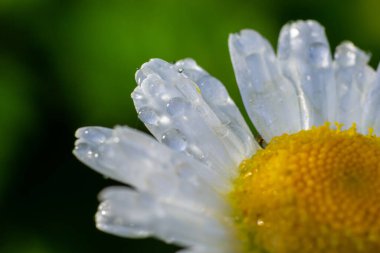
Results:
x,y
174,139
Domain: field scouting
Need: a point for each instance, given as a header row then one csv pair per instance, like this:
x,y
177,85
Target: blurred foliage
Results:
x,y
66,64
17,107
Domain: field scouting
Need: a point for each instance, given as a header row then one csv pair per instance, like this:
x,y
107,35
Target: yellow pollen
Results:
x,y
316,191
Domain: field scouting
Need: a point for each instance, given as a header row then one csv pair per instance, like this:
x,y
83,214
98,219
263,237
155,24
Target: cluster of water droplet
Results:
x,y
190,111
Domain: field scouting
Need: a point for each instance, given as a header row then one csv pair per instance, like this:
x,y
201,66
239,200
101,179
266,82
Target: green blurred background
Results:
x,y
67,64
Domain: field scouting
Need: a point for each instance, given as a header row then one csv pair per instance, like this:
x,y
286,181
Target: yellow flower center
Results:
x,y
316,191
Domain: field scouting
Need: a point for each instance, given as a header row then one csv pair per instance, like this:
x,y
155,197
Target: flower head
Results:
x,y
208,186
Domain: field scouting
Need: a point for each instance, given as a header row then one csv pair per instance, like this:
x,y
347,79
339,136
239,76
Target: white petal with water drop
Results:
x,y
353,78
269,98
216,96
135,158
190,123
129,213
371,113
304,55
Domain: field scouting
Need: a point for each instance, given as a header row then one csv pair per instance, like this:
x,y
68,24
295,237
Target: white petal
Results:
x,y
216,96
371,115
305,59
353,78
172,108
269,98
129,213
135,158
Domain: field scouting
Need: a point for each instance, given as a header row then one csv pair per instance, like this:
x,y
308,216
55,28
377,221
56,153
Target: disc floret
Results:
x,y
314,191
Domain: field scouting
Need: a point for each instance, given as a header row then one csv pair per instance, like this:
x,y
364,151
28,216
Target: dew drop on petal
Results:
x,y
84,150
136,95
196,152
154,88
165,97
349,58
148,116
319,54
94,134
176,106
222,131
174,139
345,55
294,32
139,77
212,89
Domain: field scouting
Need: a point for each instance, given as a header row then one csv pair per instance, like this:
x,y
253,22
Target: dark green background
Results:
x,y
67,64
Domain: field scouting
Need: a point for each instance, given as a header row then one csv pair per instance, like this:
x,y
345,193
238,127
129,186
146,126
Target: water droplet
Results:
x,y
95,134
153,88
177,106
152,85
84,150
165,120
345,54
294,32
222,131
139,77
90,154
180,70
174,139
213,90
137,95
319,54
350,58
196,152
165,97
260,222
148,116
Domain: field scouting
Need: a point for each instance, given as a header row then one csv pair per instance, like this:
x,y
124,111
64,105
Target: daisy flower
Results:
x,y
204,183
